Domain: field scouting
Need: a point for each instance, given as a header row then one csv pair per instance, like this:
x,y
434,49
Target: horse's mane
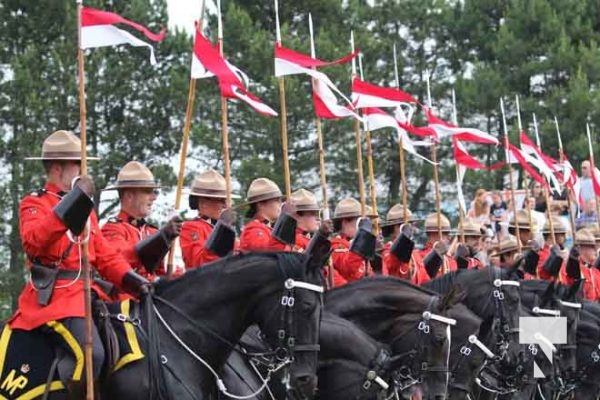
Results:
x,y
376,282
446,282
240,267
351,340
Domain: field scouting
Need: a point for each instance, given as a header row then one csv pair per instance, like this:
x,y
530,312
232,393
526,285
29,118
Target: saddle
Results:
x,y
28,359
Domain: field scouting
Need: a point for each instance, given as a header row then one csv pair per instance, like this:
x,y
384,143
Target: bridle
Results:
x,y
417,360
502,330
465,351
283,354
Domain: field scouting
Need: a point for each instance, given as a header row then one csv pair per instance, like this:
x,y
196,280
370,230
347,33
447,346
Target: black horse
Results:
x,y
406,317
493,295
192,323
588,352
352,365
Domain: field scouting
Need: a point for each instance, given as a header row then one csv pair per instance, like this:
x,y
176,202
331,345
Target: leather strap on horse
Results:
x,y
155,368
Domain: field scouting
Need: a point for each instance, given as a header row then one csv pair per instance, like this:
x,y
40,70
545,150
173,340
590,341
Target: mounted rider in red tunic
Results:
x,y
398,255
50,222
210,235
142,244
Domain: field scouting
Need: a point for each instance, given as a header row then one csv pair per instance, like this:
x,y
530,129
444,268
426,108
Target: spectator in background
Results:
x,y
498,212
480,208
587,187
588,215
538,219
537,193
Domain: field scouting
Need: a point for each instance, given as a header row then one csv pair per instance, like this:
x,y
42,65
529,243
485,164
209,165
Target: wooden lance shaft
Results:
x,y
561,157
284,138
189,113
530,210
461,212
86,270
225,137
359,167
403,180
510,176
436,178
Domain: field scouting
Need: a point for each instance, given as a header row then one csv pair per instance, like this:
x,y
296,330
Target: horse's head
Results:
x,y
435,334
568,303
412,320
467,352
588,352
351,363
289,319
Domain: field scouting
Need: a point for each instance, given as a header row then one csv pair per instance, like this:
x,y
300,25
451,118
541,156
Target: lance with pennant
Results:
x,y
561,157
546,192
510,175
282,105
436,178
520,124
86,270
322,174
319,133
401,148
358,133
593,169
370,167
224,115
461,212
189,114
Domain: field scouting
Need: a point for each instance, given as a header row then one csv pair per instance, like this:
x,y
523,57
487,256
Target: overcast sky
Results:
x,y
183,13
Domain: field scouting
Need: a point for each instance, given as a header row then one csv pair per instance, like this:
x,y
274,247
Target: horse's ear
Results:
x,y
573,290
548,293
454,296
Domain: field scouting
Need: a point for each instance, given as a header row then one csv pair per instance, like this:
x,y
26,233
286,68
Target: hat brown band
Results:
x,y
444,229
265,197
350,214
472,233
208,192
585,243
61,154
136,183
308,207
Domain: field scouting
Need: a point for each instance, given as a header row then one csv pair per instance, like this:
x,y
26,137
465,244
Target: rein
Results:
x,y
284,353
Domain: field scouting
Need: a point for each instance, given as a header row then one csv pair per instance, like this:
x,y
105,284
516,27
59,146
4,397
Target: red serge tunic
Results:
x,y
302,241
124,232
394,266
421,276
44,237
256,235
351,266
591,284
194,235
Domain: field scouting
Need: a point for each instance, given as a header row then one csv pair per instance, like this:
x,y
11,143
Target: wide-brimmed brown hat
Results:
x,y
431,223
584,237
134,175
471,227
557,224
508,245
61,145
263,189
395,216
210,184
523,219
305,200
347,208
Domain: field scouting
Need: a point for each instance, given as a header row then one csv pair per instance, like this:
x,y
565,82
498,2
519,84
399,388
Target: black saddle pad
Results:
x,y
25,361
